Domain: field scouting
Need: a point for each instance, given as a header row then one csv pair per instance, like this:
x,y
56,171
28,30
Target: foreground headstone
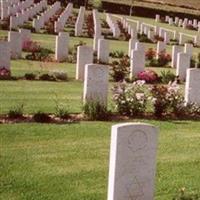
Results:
x,y
192,89
132,162
15,44
84,56
183,63
62,43
5,55
103,51
96,84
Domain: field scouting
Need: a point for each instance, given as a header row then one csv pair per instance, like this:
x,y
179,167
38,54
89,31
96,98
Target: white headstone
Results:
x,y
175,50
161,46
192,89
62,43
84,56
183,63
188,49
5,55
15,44
103,51
137,62
132,162
96,84
132,45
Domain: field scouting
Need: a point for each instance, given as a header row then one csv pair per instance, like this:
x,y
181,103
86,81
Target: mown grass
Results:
x,y
71,161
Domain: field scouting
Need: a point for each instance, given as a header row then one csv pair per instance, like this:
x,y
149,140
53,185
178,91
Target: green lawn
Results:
x,y
71,161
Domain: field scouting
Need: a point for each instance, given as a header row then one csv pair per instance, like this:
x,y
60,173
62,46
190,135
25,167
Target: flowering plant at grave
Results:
x,y
4,73
176,99
163,58
159,99
130,99
30,46
167,98
150,54
149,76
120,69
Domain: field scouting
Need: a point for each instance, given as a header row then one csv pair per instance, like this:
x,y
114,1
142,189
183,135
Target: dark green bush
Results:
x,y
41,117
30,76
47,77
16,112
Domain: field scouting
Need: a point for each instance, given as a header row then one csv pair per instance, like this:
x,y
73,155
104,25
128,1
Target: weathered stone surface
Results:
x,y
84,56
132,162
96,84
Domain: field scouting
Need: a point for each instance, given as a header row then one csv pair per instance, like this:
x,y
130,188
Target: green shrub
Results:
x,y
30,76
41,117
117,54
192,63
16,112
167,76
47,77
61,110
144,38
96,111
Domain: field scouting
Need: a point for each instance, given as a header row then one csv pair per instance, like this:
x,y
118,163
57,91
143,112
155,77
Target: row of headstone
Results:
x,y
180,22
5,6
13,10
27,14
61,21
40,21
8,9
135,26
128,23
80,21
186,37
113,26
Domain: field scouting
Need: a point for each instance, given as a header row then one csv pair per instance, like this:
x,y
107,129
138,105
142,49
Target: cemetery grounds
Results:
x,y
70,160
